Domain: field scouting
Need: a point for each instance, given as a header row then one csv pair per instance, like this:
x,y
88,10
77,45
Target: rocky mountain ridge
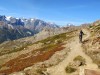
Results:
x,y
14,28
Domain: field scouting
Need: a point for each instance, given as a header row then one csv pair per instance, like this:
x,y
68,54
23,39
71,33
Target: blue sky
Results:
x,y
60,12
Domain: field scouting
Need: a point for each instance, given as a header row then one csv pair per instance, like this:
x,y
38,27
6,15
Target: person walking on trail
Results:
x,y
81,36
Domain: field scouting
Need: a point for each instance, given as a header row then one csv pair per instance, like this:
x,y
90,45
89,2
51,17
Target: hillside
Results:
x,y
38,51
53,53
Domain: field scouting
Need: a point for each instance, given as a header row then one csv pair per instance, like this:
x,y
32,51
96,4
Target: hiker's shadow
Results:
x,y
85,41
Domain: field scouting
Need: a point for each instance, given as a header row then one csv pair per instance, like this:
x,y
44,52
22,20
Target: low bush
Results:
x,y
70,69
80,59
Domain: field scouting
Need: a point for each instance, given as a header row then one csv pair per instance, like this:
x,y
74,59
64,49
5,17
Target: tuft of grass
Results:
x,y
70,69
90,26
80,59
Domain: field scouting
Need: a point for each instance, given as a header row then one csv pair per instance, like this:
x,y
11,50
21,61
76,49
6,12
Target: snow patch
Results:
x,y
8,18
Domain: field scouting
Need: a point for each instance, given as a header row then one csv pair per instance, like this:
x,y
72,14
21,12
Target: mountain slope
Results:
x,y
36,52
14,28
56,55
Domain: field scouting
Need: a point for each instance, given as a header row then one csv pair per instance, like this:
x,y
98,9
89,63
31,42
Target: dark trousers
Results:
x,y
80,38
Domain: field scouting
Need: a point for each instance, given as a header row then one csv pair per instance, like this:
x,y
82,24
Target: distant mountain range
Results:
x,y
14,28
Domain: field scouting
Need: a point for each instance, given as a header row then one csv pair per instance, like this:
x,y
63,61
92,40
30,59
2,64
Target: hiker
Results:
x,y
80,36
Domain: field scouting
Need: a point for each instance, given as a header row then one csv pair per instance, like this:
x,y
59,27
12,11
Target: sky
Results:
x,y
60,12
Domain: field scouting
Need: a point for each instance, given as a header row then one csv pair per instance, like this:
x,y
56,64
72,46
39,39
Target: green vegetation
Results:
x,y
70,69
90,26
39,71
91,47
96,60
13,46
95,57
54,41
48,43
80,59
57,38
95,29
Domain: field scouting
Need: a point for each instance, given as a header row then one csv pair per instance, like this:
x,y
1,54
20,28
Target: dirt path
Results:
x,y
76,50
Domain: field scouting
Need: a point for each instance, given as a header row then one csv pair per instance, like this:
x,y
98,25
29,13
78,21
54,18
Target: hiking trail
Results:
x,y
75,50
